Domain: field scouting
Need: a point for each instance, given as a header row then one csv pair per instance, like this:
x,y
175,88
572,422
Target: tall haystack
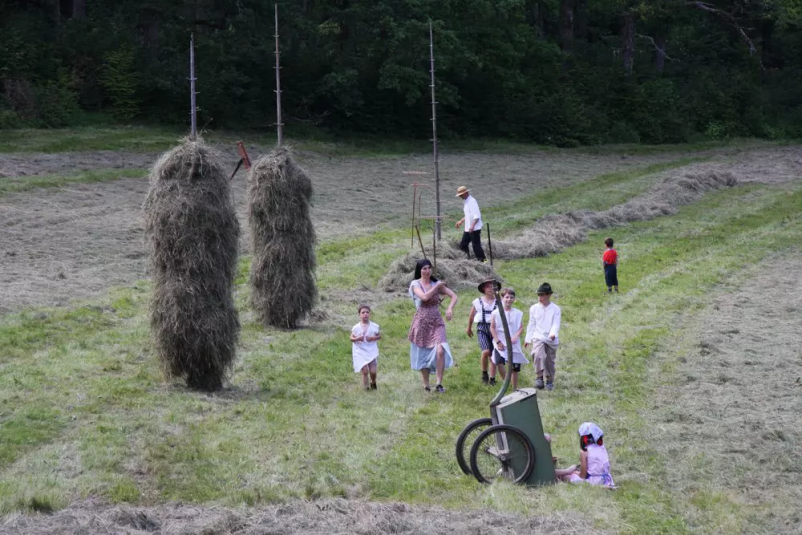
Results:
x,y
192,234
283,288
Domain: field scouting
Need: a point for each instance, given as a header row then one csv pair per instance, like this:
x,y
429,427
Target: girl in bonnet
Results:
x,y
594,463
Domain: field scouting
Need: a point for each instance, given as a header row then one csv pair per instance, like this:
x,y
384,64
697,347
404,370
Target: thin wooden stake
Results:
x,y
434,134
279,124
193,112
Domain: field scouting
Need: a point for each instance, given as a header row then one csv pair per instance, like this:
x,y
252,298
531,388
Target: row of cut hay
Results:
x,y
322,517
282,278
556,232
192,234
457,271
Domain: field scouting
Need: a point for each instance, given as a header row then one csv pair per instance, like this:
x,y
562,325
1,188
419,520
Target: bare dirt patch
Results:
x,y
320,517
731,423
71,243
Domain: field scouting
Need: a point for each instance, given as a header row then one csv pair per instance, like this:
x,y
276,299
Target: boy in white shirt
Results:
x,y
365,347
515,322
543,334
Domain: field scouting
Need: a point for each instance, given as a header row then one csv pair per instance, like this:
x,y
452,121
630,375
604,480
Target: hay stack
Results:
x,y
192,232
283,288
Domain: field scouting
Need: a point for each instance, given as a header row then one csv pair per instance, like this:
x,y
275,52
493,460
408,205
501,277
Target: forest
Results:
x,y
555,72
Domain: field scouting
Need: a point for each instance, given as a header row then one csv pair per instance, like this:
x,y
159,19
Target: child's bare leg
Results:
x,y
372,368
565,473
502,371
515,380
440,364
424,373
365,376
492,368
485,360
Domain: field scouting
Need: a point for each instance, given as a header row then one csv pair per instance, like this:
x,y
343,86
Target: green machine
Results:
x,y
510,444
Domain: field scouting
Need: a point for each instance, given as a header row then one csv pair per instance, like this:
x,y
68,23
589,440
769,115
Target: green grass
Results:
x,y
154,139
85,412
136,139
18,184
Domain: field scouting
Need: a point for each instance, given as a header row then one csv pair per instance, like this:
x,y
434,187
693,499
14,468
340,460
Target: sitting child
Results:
x,y
594,463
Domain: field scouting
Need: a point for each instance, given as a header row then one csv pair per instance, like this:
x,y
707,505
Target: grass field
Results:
x,y
85,412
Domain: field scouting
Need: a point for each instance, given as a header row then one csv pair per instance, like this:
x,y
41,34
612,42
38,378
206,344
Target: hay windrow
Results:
x,y
282,278
554,233
457,271
322,517
192,233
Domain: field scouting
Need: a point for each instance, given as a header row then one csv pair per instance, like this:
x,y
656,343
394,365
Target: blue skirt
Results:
x,y
426,357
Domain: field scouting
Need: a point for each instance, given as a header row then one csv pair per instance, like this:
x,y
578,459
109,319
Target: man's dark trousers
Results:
x,y
474,238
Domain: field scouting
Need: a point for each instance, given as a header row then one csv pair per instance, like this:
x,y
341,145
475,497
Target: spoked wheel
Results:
x,y
502,452
465,441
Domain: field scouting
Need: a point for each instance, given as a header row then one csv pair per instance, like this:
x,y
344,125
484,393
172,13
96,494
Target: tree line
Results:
x,y
562,72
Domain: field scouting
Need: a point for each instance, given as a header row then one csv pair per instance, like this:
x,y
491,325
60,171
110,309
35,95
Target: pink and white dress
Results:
x,y
598,468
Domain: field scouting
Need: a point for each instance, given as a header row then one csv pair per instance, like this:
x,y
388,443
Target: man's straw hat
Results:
x,y
462,190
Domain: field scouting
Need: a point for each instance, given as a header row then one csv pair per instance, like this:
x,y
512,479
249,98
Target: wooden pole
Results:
x,y
434,134
193,112
279,123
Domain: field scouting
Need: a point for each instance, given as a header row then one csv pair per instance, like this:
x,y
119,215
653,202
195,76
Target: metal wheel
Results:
x,y
502,452
465,441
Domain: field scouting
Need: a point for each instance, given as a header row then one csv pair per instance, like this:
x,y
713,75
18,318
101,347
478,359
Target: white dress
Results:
x,y
514,319
364,352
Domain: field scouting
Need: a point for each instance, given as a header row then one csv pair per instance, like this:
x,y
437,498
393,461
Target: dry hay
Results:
x,y
324,517
283,288
556,232
191,230
455,269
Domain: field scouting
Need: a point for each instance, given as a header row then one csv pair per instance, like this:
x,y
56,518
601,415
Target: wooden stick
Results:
x,y
434,133
420,241
490,244
279,124
193,112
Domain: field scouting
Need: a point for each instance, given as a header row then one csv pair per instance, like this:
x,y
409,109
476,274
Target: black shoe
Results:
x,y
484,377
492,381
427,389
373,386
439,389
539,383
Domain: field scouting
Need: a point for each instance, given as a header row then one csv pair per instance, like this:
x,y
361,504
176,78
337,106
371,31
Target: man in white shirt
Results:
x,y
543,335
473,224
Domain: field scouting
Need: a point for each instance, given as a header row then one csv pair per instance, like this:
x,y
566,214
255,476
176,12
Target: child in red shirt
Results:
x,y
610,264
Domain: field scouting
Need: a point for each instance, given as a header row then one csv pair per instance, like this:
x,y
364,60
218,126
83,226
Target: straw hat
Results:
x,y
496,283
462,190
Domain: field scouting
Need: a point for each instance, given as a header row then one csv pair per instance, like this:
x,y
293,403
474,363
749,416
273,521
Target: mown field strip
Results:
x,y
91,415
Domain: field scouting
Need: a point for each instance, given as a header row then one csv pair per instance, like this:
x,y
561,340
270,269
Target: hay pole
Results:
x,y
420,241
434,132
193,112
490,244
279,124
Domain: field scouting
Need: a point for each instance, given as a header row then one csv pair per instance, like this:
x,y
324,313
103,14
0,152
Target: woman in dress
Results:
x,y
429,349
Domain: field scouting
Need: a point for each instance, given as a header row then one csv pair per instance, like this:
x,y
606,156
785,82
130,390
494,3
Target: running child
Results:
x,y
365,347
610,265
515,322
543,334
481,309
